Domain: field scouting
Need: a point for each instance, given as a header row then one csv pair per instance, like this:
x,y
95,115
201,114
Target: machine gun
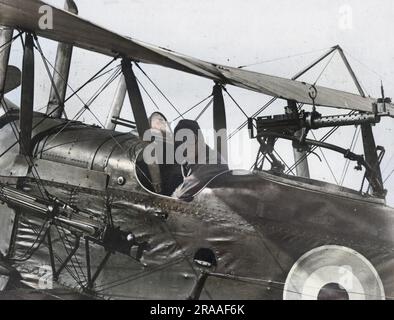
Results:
x,y
294,126
80,223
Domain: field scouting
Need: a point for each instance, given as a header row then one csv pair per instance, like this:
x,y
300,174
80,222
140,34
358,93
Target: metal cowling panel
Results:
x,y
73,146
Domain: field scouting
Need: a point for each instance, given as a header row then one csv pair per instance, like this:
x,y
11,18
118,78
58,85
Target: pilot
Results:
x,y
197,172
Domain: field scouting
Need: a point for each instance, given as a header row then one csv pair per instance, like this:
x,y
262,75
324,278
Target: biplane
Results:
x,y
84,216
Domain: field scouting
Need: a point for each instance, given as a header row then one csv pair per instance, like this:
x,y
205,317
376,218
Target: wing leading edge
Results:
x,y
25,14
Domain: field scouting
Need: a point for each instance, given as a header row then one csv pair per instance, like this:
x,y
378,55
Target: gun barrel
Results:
x,y
48,209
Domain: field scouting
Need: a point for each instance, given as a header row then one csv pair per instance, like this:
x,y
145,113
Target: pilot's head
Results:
x,y
189,132
187,124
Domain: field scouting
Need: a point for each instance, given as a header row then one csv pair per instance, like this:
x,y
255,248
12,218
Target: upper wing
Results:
x,y
69,28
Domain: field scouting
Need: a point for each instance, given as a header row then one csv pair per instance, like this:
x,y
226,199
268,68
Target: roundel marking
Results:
x,y
333,272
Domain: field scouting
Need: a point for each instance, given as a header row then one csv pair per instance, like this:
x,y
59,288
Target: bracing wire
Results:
x,y
120,282
28,158
193,107
73,257
389,176
328,134
158,89
94,77
352,147
325,67
86,106
7,44
244,124
33,228
147,93
324,138
204,109
235,102
240,108
380,76
326,161
80,282
282,58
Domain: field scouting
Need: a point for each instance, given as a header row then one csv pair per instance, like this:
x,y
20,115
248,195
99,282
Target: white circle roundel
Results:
x,y
333,272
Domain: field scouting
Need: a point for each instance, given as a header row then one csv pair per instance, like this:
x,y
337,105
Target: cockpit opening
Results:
x,y
184,165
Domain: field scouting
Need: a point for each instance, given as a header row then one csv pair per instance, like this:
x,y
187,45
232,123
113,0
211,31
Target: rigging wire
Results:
x,y
94,77
43,191
269,283
75,93
284,162
313,134
158,89
134,277
86,106
74,256
244,124
147,93
388,164
263,108
33,228
236,103
352,147
6,45
46,116
101,75
325,67
40,238
80,282
328,135
324,138
94,97
165,226
38,47
28,158
239,107
282,58
259,163
380,76
104,86
138,275
203,110
193,107
388,177
68,85
119,282
325,160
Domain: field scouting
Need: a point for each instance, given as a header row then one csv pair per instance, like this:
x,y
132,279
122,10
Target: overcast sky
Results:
x,y
237,32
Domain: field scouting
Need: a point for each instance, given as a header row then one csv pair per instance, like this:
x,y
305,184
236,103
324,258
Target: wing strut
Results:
x,y
300,157
219,122
370,150
7,214
117,104
5,40
137,104
302,169
140,117
27,97
61,72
